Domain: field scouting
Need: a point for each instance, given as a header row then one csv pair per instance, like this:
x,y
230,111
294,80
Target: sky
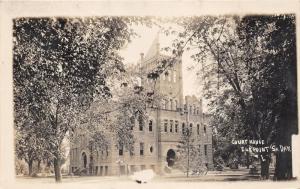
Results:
x,y
131,54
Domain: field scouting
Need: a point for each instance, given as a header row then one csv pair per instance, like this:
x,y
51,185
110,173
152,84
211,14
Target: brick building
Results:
x,y
156,141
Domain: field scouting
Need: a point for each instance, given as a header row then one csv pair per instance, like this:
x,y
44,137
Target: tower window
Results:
x,y
183,127
150,125
132,122
204,129
198,129
141,148
141,123
120,150
205,149
176,126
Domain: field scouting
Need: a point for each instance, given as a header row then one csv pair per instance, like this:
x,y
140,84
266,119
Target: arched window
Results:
x,y
204,129
191,127
141,123
166,104
151,149
183,127
150,125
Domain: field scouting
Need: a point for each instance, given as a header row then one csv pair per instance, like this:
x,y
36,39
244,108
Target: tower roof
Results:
x,y
154,48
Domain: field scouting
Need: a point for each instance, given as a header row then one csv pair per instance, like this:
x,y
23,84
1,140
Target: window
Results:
x,y
171,126
141,148
176,126
176,104
194,110
198,129
191,127
190,109
166,125
120,150
150,125
163,104
204,129
205,149
132,121
166,104
174,76
183,127
197,111
171,104
151,149
141,123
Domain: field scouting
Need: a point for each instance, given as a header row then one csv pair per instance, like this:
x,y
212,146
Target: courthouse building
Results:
x,y
156,141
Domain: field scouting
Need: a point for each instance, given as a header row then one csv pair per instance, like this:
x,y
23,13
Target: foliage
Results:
x,y
60,66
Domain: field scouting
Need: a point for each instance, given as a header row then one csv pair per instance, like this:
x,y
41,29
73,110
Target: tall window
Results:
x,y
176,104
163,104
171,104
166,104
166,125
132,121
174,76
191,127
141,123
204,129
183,127
171,126
150,125
176,126
198,129
120,150
141,148
205,149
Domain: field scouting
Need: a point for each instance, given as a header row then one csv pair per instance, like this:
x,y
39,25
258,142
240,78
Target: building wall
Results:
x,y
174,109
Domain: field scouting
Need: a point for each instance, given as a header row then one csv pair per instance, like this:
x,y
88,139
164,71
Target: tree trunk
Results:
x,y
39,166
30,167
264,172
57,167
247,160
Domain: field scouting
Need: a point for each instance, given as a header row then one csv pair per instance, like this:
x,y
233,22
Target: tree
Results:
x,y
60,65
247,63
251,72
190,153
